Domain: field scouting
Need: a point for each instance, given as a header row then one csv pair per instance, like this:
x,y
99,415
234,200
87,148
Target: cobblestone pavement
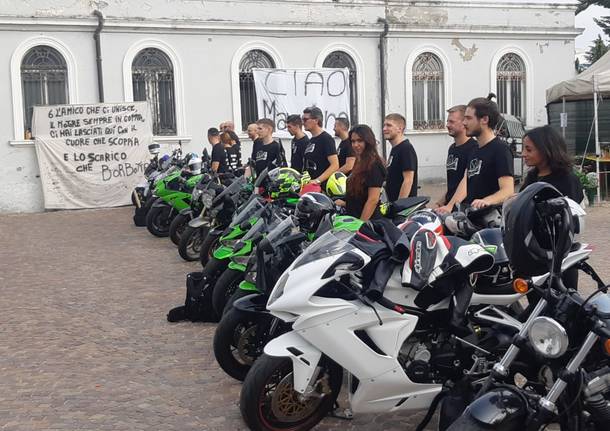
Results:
x,y
84,343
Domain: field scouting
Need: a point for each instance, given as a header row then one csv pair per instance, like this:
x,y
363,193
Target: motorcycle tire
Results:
x,y
207,248
225,287
191,240
270,375
158,220
176,228
234,343
239,293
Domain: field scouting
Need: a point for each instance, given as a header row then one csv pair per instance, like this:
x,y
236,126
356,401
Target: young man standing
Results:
x,y
321,154
219,157
402,163
300,141
268,152
459,152
489,177
345,153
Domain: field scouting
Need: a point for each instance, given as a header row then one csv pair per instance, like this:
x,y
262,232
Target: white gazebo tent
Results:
x,y
592,83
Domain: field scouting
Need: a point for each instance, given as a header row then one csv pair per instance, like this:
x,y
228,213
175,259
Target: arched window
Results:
x,y
152,76
255,58
43,80
428,92
340,59
510,76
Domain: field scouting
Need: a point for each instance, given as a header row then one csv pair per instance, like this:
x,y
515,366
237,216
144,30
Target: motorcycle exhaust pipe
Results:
x,y
595,402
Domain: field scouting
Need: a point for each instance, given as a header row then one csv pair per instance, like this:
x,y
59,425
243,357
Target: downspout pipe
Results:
x,y
383,76
98,54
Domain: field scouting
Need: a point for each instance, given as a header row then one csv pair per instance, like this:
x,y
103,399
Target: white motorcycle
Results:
x,y
399,328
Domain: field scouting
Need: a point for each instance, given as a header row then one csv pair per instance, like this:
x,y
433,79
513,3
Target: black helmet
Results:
x,y
311,209
538,228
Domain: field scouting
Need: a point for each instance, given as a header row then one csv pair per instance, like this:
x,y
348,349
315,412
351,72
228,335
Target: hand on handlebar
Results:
x,y
479,203
445,209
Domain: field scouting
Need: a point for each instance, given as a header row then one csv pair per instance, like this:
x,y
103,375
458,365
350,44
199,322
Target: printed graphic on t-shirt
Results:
x,y
390,161
310,165
475,167
452,162
261,155
310,148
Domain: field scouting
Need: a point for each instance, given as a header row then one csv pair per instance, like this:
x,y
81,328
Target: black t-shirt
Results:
x,y
219,155
255,145
233,157
298,152
267,156
344,151
457,161
486,165
569,185
402,158
355,204
317,152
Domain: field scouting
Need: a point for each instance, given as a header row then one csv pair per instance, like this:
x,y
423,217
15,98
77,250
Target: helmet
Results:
x,y
154,148
194,165
427,219
282,183
164,162
336,185
538,228
311,209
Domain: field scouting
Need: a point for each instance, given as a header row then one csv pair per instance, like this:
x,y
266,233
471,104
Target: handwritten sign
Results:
x,y
91,156
282,92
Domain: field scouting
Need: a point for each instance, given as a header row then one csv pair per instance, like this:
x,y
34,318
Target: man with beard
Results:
x,y
458,154
321,154
345,153
489,177
401,181
300,141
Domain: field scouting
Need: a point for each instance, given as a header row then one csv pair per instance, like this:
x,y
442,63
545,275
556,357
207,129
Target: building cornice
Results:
x,y
287,29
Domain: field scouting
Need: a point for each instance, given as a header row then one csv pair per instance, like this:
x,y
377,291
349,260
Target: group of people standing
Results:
x,y
479,165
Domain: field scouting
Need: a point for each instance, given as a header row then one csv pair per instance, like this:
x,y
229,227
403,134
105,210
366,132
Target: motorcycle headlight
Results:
x,y
278,290
548,337
195,194
207,200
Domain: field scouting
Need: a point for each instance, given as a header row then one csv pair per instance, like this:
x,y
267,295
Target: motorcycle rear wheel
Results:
x,y
268,401
158,220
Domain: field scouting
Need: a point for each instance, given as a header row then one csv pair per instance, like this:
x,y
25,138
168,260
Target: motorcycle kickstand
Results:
x,y
346,414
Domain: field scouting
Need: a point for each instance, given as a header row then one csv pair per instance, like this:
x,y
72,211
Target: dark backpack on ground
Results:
x,y
198,304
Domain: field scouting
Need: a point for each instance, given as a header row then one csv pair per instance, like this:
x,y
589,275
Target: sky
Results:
x,y
585,20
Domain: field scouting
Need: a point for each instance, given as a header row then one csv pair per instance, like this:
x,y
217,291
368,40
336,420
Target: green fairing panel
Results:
x,y
192,181
237,266
248,286
223,252
348,223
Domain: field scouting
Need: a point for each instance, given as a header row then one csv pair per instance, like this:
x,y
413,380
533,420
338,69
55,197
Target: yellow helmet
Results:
x,y
336,185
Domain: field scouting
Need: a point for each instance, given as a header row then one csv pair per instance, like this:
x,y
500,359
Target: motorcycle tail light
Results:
x,y
607,347
520,285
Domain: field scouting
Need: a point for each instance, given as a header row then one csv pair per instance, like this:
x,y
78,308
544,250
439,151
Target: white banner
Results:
x,y
91,156
282,92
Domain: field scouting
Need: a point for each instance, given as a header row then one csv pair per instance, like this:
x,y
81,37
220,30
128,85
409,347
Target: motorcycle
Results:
x,y
564,343
399,334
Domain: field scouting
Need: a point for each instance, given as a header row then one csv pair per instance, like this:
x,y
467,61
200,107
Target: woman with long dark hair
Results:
x,y
366,179
545,152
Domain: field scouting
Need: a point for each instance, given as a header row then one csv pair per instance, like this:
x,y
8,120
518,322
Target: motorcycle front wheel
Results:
x,y
177,226
239,293
225,287
191,240
158,220
269,402
207,248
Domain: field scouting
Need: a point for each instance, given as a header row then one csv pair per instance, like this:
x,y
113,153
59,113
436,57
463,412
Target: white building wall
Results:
x,y
204,37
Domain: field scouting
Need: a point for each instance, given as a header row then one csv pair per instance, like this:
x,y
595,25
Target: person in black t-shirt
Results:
x,y
345,153
299,143
365,183
267,152
489,177
232,150
320,158
402,162
219,158
545,152
458,153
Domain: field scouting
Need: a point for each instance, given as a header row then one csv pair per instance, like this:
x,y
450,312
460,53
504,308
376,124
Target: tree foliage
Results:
x,y
604,24
586,3
597,50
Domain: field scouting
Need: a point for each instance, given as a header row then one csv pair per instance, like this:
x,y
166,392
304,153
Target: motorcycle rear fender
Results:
x,y
255,303
500,409
303,355
248,286
186,211
160,203
198,222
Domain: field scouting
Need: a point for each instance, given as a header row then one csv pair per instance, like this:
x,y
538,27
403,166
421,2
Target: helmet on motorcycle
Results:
x,y
311,209
428,219
282,183
336,185
164,162
154,148
194,165
538,228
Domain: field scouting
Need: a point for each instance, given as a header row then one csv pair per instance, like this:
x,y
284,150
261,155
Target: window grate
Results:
x,y
428,93
255,58
153,80
510,82
340,59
